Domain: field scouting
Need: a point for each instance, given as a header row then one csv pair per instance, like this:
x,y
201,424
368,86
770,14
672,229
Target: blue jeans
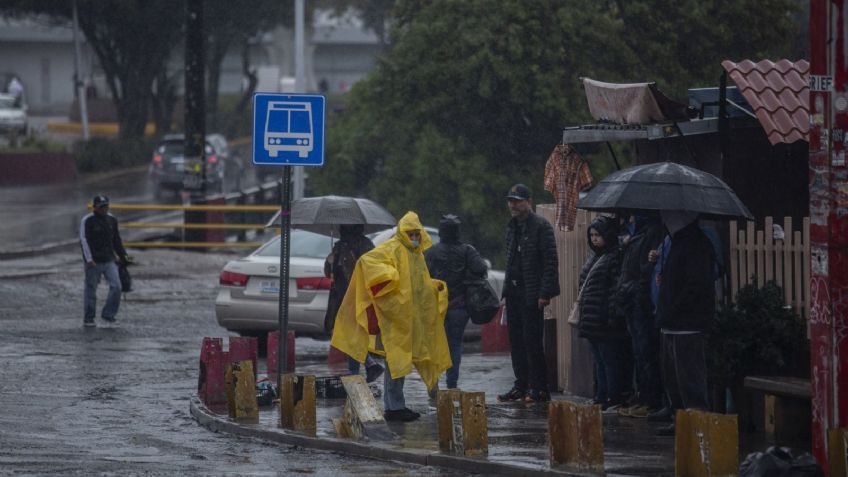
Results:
x,y
455,321
612,370
92,279
353,365
393,399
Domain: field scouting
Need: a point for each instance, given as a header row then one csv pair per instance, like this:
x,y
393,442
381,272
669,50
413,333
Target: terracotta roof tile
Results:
x,y
778,94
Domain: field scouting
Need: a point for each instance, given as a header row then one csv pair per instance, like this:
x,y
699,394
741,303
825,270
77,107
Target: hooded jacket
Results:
x,y
453,261
539,262
599,318
634,285
392,280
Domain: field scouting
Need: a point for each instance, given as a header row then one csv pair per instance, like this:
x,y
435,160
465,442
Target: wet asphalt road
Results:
x,y
114,400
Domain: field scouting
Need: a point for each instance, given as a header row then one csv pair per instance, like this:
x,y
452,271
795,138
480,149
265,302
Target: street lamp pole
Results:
x,y
79,85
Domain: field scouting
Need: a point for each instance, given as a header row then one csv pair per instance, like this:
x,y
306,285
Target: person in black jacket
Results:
x,y
685,310
600,320
532,280
633,298
102,248
454,262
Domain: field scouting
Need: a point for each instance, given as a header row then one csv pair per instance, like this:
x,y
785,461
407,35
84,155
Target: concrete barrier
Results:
x,y
462,425
576,436
210,383
241,392
837,450
494,336
362,418
297,403
705,444
243,348
272,354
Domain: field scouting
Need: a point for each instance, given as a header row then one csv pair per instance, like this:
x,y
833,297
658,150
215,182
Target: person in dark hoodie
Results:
x,y
685,309
454,262
633,299
600,321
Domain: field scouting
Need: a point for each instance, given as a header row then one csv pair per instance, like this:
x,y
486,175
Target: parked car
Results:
x,y
12,117
247,301
167,167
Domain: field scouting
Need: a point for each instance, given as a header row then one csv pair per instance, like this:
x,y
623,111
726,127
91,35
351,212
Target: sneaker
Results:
x,y
537,395
514,394
89,323
109,319
625,410
373,372
666,430
401,415
640,411
432,393
611,408
663,415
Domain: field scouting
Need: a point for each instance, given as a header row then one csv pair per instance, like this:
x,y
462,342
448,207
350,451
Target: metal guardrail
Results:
x,y
204,225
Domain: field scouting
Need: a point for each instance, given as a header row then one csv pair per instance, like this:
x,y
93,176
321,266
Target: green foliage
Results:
x,y
102,154
472,95
756,335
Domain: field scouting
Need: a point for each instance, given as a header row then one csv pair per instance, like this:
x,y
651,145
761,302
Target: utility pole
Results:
x,y
299,82
194,167
828,227
79,85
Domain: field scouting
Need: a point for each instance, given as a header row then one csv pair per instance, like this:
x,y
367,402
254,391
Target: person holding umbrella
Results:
x,y
393,307
339,266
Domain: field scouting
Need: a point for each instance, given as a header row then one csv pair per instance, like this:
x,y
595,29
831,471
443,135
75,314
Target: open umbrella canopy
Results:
x,y
665,186
324,214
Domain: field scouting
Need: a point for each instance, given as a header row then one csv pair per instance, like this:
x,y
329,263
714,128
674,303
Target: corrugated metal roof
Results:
x,y
779,95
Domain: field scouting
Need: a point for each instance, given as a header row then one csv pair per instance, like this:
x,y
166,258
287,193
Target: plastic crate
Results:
x,y
329,387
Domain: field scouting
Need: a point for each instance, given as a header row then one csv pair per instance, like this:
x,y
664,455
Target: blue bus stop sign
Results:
x,y
288,129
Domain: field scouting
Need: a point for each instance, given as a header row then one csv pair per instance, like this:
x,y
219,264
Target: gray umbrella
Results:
x,y
324,214
665,186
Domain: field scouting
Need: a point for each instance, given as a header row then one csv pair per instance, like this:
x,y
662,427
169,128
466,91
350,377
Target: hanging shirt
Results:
x,y
566,174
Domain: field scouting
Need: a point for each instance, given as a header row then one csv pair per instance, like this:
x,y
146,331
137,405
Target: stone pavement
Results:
x,y
518,442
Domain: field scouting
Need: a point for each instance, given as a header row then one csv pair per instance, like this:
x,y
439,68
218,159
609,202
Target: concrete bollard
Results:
x,y
463,429
272,354
334,356
837,450
494,336
241,392
361,418
576,436
243,348
210,381
297,403
705,444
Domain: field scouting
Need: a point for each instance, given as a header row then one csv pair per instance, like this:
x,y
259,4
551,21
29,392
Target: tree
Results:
x,y
473,94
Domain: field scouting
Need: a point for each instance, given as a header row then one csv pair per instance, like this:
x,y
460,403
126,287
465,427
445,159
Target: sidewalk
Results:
x,y
518,441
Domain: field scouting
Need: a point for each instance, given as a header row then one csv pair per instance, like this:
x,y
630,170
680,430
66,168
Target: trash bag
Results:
x,y
266,392
779,462
481,301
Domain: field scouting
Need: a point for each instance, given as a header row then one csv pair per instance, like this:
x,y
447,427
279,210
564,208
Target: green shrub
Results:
x,y
756,335
103,154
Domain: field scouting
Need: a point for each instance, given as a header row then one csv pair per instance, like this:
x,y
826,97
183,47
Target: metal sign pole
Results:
x,y
285,249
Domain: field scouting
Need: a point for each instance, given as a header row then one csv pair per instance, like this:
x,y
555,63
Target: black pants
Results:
x,y
685,370
525,322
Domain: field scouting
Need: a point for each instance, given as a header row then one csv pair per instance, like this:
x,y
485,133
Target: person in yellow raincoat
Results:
x,y
394,308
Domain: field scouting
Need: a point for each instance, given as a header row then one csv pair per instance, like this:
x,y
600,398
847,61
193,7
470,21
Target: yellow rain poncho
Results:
x,y
410,308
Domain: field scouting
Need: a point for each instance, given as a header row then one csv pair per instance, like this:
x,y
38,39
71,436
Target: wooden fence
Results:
x,y
756,257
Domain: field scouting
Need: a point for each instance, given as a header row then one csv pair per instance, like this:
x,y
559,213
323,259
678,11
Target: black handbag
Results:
x,y
481,301
124,275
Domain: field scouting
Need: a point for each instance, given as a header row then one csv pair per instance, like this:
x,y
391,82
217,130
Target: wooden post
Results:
x,y
463,429
837,447
362,418
241,392
576,436
705,444
297,403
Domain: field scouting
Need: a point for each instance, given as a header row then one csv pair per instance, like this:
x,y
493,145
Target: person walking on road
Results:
x,y
685,310
532,280
393,307
339,266
454,262
102,249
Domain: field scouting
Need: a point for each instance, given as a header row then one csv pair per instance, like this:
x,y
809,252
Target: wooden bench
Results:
x,y
786,406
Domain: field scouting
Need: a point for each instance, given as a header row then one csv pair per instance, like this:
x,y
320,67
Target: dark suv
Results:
x,y
168,166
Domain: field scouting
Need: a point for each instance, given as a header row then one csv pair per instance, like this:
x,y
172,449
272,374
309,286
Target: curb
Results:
x,y
370,450
46,248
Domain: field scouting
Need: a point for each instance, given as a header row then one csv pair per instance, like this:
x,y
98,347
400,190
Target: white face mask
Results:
x,y
414,243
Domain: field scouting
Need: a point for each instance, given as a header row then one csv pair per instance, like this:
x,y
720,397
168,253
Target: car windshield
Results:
x,y
303,244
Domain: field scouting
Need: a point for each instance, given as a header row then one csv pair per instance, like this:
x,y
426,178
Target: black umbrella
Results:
x,y
324,214
665,186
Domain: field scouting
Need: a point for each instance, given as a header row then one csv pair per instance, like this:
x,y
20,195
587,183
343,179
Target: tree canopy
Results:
x,y
472,95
